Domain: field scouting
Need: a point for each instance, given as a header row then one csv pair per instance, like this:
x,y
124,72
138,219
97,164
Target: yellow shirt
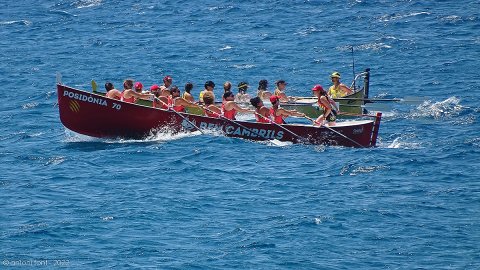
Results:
x,y
335,92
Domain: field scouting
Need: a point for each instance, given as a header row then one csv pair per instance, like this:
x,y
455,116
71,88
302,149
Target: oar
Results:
x,y
336,132
232,121
286,129
94,86
408,100
179,114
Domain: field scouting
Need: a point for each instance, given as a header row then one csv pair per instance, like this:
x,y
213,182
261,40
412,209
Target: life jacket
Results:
x,y
229,114
129,100
332,116
276,118
264,119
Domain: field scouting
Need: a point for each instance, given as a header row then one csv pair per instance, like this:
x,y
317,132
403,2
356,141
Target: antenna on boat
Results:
x,y
353,69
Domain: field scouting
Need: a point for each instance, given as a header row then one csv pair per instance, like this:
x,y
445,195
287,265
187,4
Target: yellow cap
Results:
x,y
335,75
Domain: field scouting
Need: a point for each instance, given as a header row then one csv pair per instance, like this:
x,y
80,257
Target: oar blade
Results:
x,y
94,86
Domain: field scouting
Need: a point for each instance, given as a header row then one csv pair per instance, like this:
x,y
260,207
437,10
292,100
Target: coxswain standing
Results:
x,y
230,107
279,114
328,105
112,92
338,89
129,95
262,113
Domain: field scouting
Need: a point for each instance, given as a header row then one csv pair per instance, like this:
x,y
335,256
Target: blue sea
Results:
x,y
192,201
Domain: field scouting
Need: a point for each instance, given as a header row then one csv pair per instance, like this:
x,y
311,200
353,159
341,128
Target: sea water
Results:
x,y
192,201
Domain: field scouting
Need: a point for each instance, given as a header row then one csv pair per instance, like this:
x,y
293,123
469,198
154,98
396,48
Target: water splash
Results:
x,y
402,144
24,22
438,110
395,17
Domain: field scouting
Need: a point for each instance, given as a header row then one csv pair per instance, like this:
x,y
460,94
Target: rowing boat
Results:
x,y
95,115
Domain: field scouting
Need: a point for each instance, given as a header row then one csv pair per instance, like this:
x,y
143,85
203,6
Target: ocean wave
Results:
x,y
395,17
438,110
87,3
307,31
24,22
226,47
401,143
245,66
29,105
375,46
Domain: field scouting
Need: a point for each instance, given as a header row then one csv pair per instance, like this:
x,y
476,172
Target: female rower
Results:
x,y
179,103
262,91
279,114
210,109
242,95
230,107
209,86
112,92
165,88
187,95
129,95
262,113
329,107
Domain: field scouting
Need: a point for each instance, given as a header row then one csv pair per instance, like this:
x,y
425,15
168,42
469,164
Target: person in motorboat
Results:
x,y
209,108
280,91
209,86
338,89
230,107
187,95
112,92
262,91
178,103
242,95
165,87
328,105
279,114
262,113
131,96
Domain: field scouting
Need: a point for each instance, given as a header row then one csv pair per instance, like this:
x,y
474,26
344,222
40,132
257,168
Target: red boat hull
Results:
x,y
97,116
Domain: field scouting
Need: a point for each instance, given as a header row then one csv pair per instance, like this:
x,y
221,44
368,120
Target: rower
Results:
x,y
262,113
178,103
209,86
242,95
329,107
338,89
165,88
187,95
280,91
262,91
279,114
210,109
230,107
130,96
112,92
